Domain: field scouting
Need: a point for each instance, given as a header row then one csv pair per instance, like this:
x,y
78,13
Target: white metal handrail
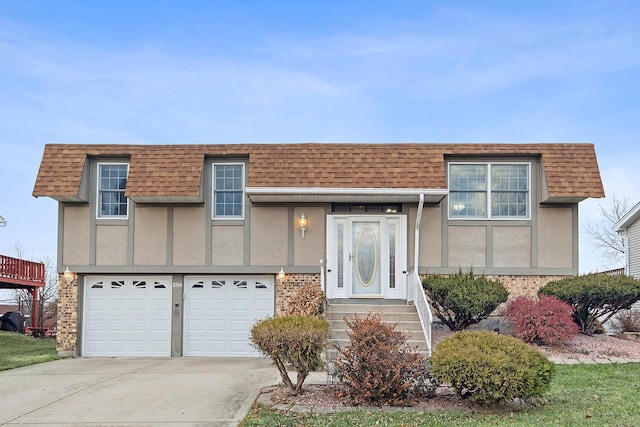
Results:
x,y
416,295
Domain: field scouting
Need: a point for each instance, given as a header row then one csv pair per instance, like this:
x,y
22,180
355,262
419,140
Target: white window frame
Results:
x,y
213,192
489,216
98,191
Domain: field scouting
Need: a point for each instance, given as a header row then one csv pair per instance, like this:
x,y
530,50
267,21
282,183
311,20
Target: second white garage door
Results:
x,y
220,311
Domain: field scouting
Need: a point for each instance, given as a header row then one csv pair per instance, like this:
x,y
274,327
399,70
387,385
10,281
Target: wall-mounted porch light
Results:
x,y
68,276
281,275
303,223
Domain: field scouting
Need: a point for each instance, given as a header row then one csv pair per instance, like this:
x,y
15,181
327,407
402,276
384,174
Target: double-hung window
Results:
x,y
112,182
489,190
228,191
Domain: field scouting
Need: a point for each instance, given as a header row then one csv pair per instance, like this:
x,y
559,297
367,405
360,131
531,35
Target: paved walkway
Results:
x,y
590,360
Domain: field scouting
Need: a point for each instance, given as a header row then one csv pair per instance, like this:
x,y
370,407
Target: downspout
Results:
x,y
416,252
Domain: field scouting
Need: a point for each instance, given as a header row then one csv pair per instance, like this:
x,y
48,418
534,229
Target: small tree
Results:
x,y
594,297
294,341
462,299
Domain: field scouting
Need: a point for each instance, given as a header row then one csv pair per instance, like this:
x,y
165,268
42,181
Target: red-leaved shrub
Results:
x,y
379,367
547,320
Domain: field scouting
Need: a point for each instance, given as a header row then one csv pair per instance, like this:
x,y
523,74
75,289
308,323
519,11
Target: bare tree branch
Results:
x,y
601,234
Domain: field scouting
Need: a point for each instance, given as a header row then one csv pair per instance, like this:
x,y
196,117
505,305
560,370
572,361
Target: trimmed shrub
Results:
x,y
308,300
379,367
546,321
294,341
626,321
594,297
462,299
490,368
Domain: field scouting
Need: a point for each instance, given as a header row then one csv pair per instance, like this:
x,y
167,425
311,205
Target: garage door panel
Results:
x,y
232,307
127,317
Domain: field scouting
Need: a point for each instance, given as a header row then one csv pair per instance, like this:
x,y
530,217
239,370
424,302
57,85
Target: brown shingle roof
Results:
x,y
571,170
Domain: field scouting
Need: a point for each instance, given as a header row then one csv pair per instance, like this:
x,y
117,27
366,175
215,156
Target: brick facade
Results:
x,y
291,284
67,334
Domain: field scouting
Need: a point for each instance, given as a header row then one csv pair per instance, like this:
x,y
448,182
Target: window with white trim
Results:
x,y
228,191
112,183
489,190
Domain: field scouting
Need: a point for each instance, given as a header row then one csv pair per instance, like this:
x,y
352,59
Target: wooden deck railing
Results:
x,y
21,272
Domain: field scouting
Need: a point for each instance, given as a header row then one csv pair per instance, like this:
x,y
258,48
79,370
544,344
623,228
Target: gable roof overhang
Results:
x,y
344,195
311,171
627,219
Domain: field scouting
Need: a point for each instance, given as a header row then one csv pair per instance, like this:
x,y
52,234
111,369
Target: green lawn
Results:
x,y
581,395
20,350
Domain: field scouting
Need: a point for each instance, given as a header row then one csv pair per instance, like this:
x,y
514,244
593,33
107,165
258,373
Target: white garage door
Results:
x,y
127,316
220,311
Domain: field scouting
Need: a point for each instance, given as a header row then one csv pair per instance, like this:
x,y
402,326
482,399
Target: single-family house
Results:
x,y
175,250
628,228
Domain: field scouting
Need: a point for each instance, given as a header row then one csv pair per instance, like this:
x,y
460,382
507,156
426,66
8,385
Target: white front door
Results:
x,y
366,256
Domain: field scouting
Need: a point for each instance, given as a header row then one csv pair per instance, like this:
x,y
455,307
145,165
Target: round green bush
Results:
x,y
462,299
490,368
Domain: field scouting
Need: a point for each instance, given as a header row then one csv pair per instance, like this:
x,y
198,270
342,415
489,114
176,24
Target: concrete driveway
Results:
x,y
133,391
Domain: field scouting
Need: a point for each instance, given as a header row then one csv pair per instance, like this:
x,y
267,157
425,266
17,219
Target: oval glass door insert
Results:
x,y
366,256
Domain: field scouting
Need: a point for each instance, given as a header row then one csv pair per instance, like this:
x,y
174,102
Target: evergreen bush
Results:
x,y
490,368
462,299
595,297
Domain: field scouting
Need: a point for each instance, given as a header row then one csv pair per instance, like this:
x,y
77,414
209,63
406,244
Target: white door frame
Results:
x,y
340,255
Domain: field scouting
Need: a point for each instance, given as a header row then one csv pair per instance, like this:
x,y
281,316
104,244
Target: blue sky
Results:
x,y
313,71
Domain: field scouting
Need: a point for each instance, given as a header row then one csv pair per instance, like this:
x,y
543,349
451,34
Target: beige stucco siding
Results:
x,y
227,244
111,244
75,242
467,246
555,237
269,235
430,236
310,249
150,236
511,246
189,236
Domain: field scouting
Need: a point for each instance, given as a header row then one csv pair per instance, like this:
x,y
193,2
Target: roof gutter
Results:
x,y
346,191
343,195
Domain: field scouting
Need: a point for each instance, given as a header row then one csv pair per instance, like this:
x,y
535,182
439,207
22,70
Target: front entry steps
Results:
x,y
393,311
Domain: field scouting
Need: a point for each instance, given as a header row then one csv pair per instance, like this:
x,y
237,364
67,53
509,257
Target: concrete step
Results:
x,y
414,334
389,317
370,308
332,352
405,317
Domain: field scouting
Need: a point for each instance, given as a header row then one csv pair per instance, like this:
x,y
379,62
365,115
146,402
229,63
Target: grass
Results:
x,y
18,350
581,395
